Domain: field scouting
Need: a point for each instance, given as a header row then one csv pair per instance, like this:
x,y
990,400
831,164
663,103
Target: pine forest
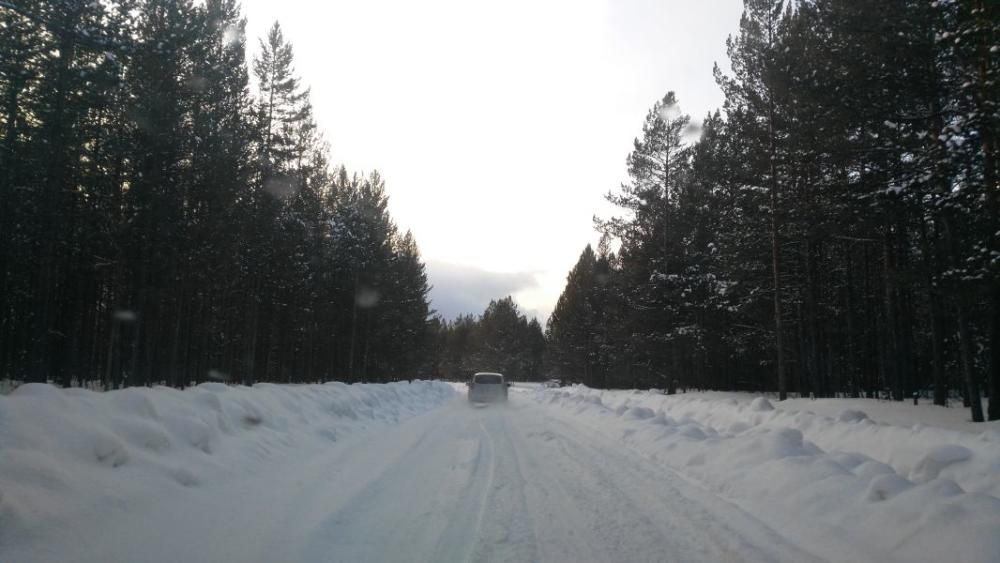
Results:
x,y
170,214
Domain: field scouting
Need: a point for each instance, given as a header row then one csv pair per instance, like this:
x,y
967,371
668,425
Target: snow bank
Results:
x,y
70,453
851,488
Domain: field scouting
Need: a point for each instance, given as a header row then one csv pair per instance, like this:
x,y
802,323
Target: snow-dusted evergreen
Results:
x,y
500,339
834,230
160,223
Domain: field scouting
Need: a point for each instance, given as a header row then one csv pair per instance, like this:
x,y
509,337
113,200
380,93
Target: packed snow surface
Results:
x,y
413,472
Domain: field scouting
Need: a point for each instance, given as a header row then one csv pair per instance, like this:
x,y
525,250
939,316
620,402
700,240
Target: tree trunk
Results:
x,y
812,321
850,340
964,335
937,335
779,344
890,353
994,408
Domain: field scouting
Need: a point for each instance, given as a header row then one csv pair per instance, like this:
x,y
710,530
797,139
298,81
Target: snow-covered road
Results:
x,y
513,482
413,472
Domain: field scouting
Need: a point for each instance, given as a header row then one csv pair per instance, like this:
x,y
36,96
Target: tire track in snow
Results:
x,y
485,494
519,482
606,525
694,520
507,532
406,512
458,540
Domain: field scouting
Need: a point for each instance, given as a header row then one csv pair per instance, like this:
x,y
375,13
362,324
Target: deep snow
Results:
x,y
78,466
413,472
851,488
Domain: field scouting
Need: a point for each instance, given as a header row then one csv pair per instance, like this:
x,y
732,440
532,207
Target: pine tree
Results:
x,y
753,101
572,324
969,132
653,242
146,243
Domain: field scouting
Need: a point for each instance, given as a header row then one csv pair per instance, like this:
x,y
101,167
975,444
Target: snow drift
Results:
x,y
851,488
67,454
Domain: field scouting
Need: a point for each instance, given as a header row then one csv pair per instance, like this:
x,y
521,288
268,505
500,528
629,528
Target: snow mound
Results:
x,y
851,415
886,486
892,493
66,453
639,413
870,470
930,466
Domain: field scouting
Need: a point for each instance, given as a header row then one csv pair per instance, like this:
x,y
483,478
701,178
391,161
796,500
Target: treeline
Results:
x,y
835,229
160,223
501,340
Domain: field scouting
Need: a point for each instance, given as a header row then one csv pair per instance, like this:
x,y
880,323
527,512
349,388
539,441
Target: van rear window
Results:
x,y
489,379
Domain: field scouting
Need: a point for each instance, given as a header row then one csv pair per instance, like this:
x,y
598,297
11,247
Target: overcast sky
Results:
x,y
498,125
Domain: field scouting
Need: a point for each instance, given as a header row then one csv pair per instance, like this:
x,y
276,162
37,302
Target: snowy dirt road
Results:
x,y
515,482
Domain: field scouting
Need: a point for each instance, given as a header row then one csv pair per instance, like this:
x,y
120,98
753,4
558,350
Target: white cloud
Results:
x,y
460,289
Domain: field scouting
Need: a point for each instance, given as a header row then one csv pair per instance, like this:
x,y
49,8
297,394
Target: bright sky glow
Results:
x,y
499,126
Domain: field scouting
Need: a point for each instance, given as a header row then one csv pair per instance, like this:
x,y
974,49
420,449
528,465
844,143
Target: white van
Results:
x,y
488,386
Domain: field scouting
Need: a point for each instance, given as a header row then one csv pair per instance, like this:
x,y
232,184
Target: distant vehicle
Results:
x,y
552,383
486,386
